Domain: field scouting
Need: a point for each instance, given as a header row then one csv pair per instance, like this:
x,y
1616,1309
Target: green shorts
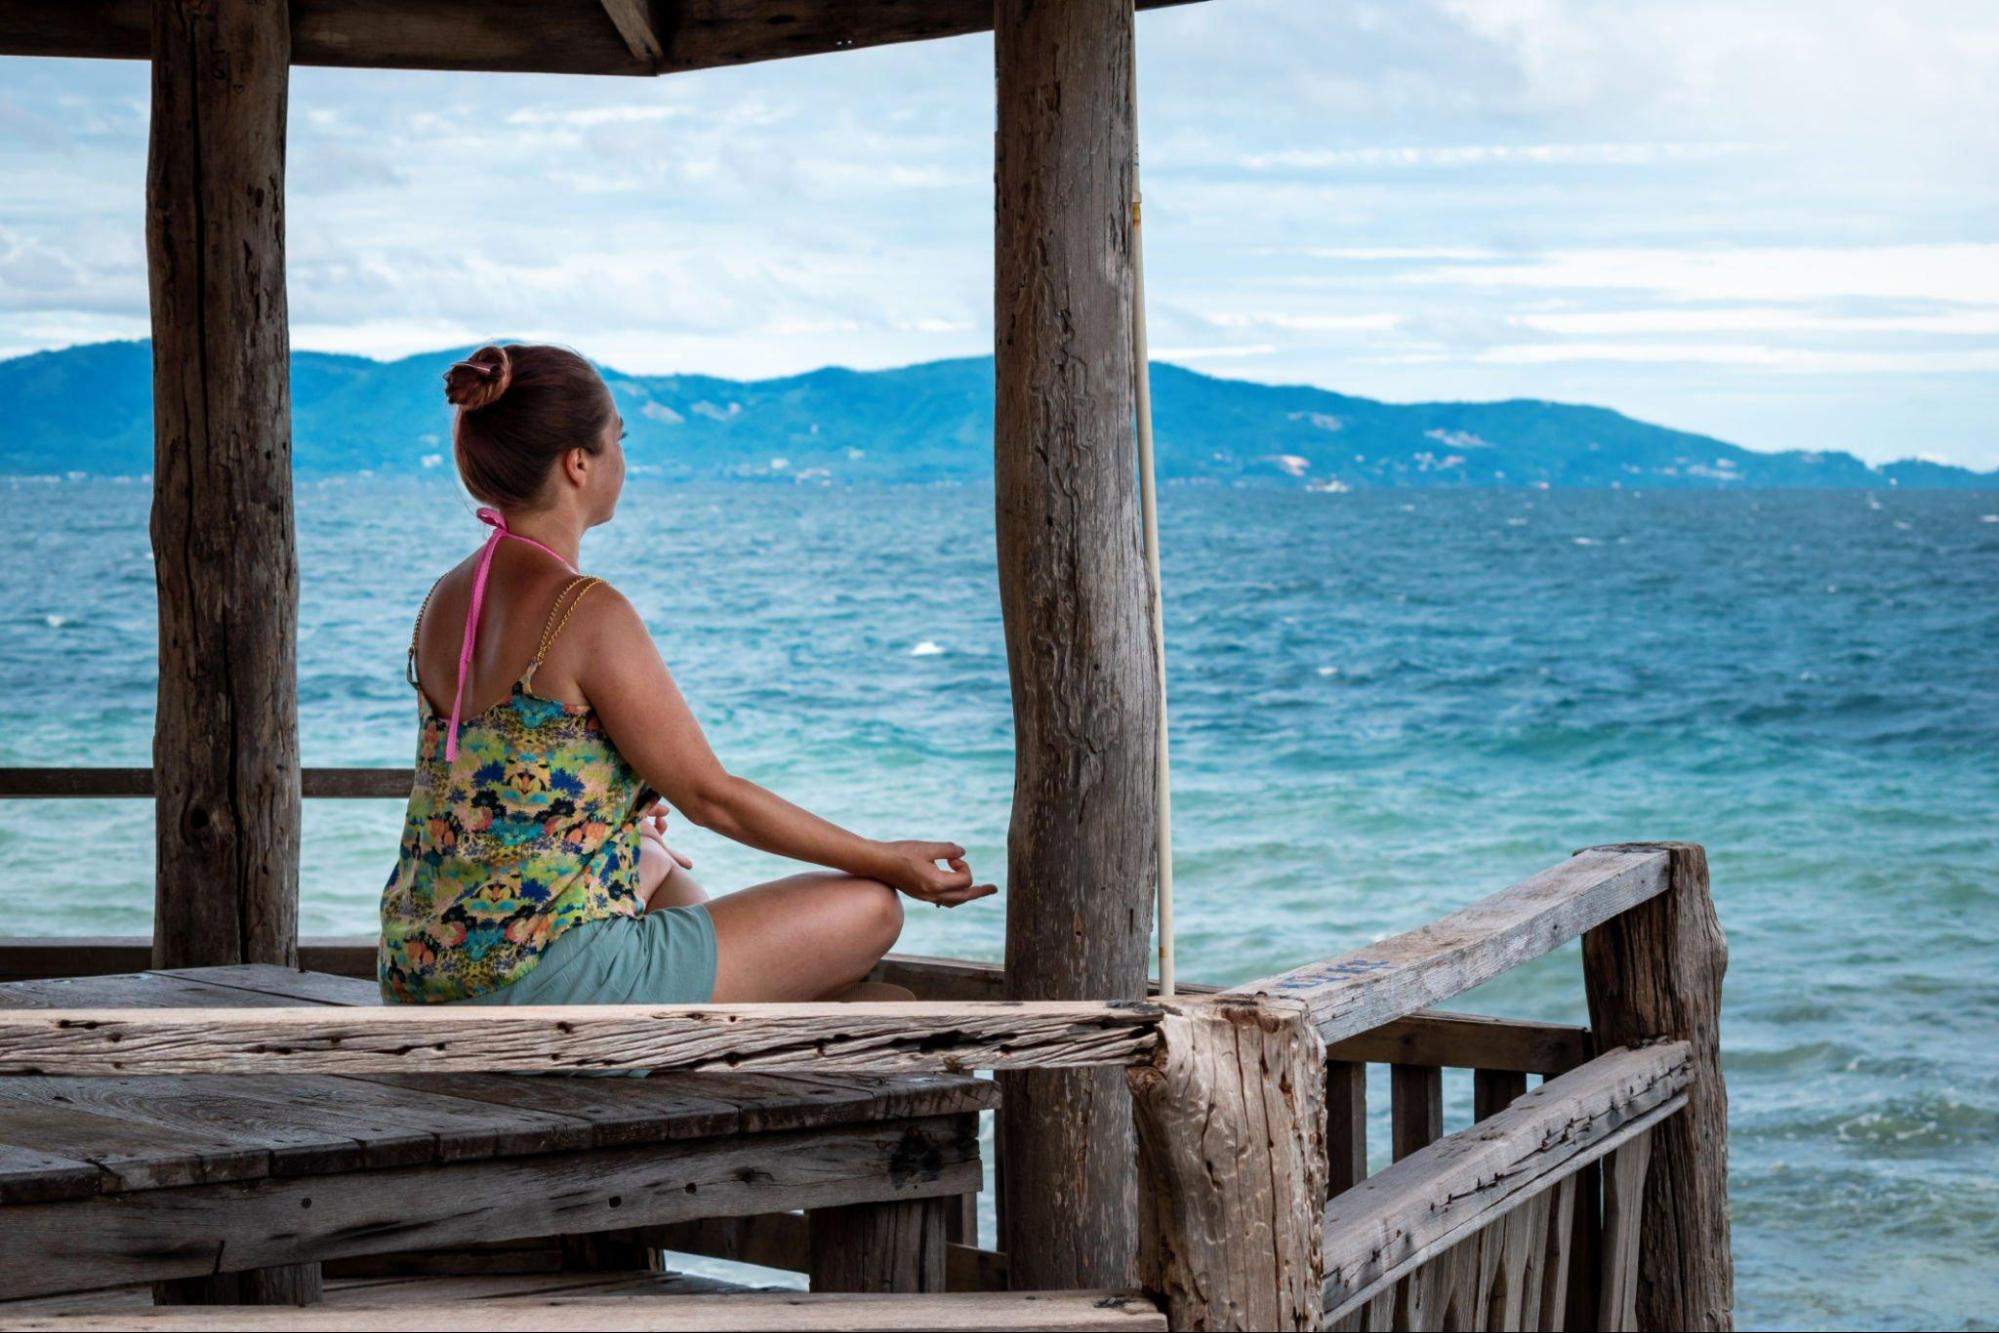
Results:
x,y
663,957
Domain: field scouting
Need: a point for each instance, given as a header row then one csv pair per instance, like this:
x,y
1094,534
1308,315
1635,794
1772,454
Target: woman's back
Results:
x,y
523,820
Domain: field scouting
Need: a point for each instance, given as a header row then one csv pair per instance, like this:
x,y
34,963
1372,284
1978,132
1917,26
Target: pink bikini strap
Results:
x,y
498,522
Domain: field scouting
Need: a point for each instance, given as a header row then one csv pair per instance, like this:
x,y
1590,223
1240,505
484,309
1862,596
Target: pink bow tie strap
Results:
x,y
498,523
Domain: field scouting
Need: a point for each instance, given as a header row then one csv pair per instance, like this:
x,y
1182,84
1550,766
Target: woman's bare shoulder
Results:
x,y
606,615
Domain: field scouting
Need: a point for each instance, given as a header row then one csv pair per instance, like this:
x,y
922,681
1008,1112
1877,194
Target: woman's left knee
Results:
x,y
879,911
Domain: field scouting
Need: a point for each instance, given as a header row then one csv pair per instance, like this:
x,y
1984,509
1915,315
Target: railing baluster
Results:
x,y
1416,1107
1346,1126
1493,1090
1585,1243
1623,1217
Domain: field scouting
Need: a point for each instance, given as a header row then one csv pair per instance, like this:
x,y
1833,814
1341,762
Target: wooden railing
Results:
x,y
1258,1212
83,783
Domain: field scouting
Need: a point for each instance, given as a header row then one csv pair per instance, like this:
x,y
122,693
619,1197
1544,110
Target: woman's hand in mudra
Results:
x,y
911,866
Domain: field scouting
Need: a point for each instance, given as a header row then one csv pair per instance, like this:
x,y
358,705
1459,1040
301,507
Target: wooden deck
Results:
x,y
115,1180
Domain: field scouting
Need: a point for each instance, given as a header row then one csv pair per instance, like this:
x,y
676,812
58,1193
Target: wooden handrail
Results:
x,y
34,784
1390,1223
1385,981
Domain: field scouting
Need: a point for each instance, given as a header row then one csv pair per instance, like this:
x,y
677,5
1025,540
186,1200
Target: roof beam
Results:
x,y
525,36
633,19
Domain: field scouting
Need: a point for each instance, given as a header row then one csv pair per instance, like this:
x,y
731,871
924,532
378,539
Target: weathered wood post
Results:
x,y
1080,855
225,741
1231,1121
1655,972
225,738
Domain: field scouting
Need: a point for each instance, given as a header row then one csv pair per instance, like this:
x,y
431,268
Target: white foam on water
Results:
x,y
1329,671
1583,541
926,649
54,621
1988,518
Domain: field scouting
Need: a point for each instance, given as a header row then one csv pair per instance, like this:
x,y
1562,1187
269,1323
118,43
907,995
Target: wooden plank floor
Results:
x,y
74,1137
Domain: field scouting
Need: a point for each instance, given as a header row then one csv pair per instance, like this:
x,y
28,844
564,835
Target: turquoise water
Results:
x,y
1384,706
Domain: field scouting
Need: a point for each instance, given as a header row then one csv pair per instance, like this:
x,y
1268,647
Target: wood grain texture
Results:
x,y
287,1285
102,783
1416,1108
1493,1090
1427,1037
1400,1217
34,958
755,1312
1074,597
1656,972
812,1038
525,36
637,27
1623,1229
1232,1149
225,732
200,1229
881,1247
1346,1125
1399,975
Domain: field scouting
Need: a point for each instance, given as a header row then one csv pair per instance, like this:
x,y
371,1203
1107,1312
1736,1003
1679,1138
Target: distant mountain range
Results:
x,y
88,410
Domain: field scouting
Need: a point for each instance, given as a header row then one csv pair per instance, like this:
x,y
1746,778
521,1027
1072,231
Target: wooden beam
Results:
x,y
225,733
34,958
634,22
1395,1220
111,1240
1397,976
826,1038
1656,973
97,783
525,36
750,1312
1231,1131
1073,594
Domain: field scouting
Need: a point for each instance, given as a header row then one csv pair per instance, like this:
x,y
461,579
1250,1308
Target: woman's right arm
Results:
x,y
626,681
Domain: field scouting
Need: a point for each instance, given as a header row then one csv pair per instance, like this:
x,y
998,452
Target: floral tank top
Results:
x,y
522,823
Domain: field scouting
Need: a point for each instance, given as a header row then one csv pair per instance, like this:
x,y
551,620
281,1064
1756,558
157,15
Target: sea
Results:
x,y
1384,706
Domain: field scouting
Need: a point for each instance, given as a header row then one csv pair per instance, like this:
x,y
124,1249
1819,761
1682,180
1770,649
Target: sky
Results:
x,y
1774,221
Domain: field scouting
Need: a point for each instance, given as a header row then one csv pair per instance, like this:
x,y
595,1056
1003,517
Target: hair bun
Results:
x,y
480,379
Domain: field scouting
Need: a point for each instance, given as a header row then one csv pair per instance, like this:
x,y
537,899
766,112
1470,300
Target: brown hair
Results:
x,y
519,409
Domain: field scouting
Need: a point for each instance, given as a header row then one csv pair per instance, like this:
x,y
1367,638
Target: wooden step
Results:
x,y
612,1303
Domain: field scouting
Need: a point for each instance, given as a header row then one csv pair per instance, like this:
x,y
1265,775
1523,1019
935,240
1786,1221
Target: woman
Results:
x,y
533,866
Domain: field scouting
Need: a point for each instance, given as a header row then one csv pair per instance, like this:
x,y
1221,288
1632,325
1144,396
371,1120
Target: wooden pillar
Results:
x,y
1080,855
1232,1143
225,740
1655,972
225,737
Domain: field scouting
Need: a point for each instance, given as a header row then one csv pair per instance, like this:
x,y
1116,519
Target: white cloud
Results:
x,y
1963,271
1767,221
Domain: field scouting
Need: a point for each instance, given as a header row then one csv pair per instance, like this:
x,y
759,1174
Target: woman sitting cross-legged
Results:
x,y
533,865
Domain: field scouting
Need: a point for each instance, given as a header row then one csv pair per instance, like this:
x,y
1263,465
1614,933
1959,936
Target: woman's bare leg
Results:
x,y
813,936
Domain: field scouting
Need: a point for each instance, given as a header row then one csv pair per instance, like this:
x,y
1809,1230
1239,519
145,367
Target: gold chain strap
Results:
x,y
409,666
553,628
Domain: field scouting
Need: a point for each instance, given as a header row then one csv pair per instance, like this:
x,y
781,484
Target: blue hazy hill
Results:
x,y
88,409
